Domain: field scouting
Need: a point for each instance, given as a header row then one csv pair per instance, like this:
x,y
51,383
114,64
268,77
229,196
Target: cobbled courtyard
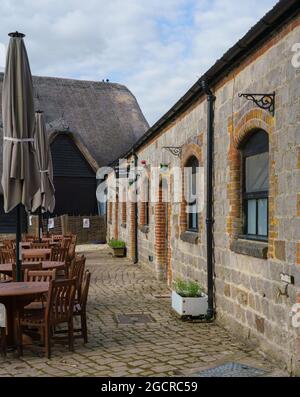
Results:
x,y
165,347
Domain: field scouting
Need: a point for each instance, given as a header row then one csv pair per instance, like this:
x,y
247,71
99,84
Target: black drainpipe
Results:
x,y
136,253
209,199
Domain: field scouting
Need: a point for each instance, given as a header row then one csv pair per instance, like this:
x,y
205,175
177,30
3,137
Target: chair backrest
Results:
x,y
38,245
66,242
59,254
41,276
8,255
71,251
60,301
25,266
85,289
41,257
57,237
77,271
11,244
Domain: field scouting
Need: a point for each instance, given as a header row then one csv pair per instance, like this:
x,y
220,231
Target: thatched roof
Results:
x,y
104,117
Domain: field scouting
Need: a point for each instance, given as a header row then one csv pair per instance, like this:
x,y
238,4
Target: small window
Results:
x,y
191,183
256,185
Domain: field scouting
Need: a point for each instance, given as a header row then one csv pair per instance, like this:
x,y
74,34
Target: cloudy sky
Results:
x,y
157,48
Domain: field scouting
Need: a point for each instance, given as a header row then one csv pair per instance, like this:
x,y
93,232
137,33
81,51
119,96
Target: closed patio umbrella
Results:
x,y
20,179
44,199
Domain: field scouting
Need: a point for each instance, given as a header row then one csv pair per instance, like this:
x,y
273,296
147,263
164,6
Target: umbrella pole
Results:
x,y
18,243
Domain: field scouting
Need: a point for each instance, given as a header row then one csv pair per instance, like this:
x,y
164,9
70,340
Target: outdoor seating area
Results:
x,y
52,290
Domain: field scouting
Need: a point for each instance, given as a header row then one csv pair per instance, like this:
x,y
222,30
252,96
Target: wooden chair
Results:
x,y
8,255
38,245
10,244
80,307
25,266
41,276
77,271
2,330
4,278
3,345
59,254
59,310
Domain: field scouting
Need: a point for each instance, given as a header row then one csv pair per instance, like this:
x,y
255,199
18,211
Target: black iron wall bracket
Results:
x,y
263,101
175,151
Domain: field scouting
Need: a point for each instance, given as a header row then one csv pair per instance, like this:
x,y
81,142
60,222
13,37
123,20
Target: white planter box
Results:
x,y
194,307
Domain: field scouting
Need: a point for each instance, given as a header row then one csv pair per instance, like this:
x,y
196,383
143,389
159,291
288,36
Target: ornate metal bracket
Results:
x,y
263,101
176,151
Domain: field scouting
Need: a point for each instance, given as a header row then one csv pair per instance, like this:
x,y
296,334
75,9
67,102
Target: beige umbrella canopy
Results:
x,y
20,178
45,197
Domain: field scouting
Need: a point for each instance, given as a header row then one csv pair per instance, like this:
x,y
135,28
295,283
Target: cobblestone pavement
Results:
x,y
165,347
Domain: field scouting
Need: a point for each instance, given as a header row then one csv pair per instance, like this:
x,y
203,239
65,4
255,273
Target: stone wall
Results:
x,y
250,296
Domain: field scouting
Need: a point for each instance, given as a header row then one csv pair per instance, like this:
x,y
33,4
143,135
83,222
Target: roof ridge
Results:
x,y
83,81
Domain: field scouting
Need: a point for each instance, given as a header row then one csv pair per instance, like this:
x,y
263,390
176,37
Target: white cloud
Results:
x,y
157,48
2,56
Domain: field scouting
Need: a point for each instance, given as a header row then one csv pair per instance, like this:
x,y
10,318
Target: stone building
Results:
x,y
256,191
83,119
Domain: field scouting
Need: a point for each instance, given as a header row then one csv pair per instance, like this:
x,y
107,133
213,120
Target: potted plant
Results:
x,y
118,247
188,299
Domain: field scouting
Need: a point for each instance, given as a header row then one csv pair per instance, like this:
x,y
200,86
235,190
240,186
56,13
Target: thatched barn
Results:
x,y
89,124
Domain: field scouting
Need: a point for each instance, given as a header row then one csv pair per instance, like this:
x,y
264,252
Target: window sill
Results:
x,y
144,229
123,225
190,237
252,248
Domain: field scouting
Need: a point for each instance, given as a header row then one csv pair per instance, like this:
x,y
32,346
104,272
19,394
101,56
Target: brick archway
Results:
x,y
189,150
251,121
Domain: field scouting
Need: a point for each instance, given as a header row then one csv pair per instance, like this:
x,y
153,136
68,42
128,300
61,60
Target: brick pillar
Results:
x,y
183,215
124,213
132,230
160,234
116,228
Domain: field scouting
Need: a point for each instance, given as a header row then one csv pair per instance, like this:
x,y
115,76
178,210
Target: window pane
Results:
x,y
251,218
193,217
263,217
257,173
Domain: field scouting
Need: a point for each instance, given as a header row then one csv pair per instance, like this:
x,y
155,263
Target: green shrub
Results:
x,y
116,243
188,289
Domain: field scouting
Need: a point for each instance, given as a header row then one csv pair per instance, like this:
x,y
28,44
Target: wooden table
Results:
x,y
15,296
6,268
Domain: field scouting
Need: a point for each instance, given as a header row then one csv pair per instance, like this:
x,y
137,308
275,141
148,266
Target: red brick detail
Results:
x,y
132,230
116,226
109,212
298,256
124,213
145,193
161,245
248,122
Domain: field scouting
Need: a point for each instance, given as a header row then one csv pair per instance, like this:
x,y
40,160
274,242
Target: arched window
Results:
x,y
191,173
255,154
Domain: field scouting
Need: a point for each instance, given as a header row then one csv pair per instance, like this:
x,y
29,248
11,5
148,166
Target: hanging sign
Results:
x,y
51,223
86,223
30,220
